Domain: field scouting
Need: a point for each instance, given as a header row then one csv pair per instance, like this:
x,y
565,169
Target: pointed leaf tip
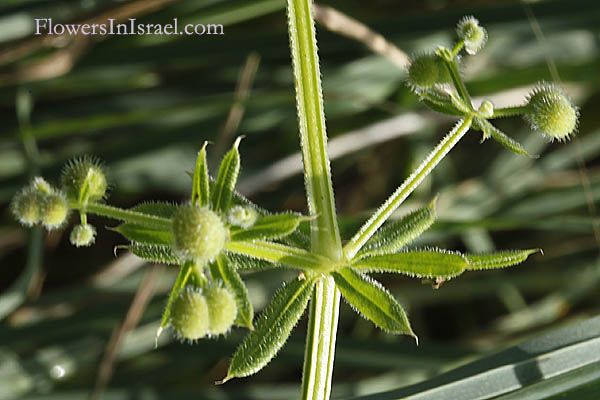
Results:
x,y
224,380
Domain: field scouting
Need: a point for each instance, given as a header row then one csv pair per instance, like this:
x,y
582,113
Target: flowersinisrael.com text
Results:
x,y
111,27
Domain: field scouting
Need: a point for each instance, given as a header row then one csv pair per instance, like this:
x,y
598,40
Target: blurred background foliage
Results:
x,y
79,319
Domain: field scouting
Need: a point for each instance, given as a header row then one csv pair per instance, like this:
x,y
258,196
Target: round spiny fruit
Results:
x,y
425,71
189,315
473,35
551,111
54,210
80,172
222,309
241,216
27,206
83,235
198,233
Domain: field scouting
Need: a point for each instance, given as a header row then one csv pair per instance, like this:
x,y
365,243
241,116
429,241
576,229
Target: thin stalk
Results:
x,y
509,111
320,340
325,237
410,184
149,221
280,253
452,66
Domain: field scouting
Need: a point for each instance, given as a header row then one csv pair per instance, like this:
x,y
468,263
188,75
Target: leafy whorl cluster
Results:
x,y
550,111
197,313
40,202
84,180
472,34
198,233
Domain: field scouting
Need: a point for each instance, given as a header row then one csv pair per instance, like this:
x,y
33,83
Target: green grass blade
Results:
x,y
569,350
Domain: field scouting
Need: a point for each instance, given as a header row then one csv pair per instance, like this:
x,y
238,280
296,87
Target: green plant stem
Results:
x,y
146,220
325,237
407,187
509,111
452,66
320,340
280,253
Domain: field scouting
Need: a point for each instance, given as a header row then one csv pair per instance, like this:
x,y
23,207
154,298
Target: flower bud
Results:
x,y
27,206
54,210
551,111
84,177
83,235
190,315
222,309
198,233
425,71
242,216
472,34
486,109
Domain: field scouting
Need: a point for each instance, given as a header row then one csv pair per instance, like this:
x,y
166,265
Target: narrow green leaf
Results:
x,y
272,328
269,227
440,102
393,236
156,254
156,208
373,301
149,236
227,178
279,253
142,235
224,270
421,264
498,260
201,186
245,263
184,274
490,130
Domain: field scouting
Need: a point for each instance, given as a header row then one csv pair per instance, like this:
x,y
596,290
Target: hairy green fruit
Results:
x,y
551,111
54,210
425,71
242,216
472,34
198,233
83,179
222,309
190,315
83,235
27,206
40,185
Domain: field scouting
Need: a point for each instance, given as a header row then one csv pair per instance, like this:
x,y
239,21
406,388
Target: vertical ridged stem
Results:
x,y
320,349
325,237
